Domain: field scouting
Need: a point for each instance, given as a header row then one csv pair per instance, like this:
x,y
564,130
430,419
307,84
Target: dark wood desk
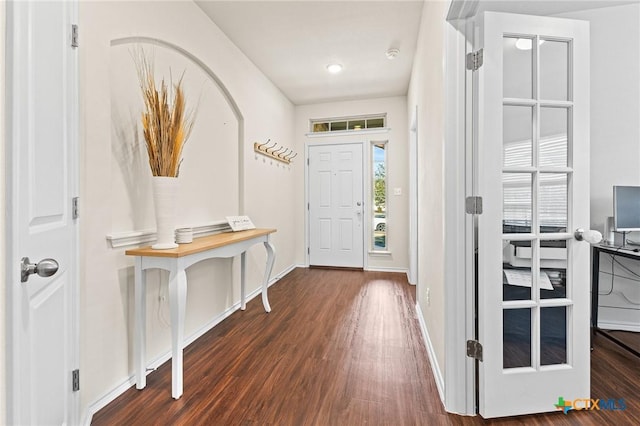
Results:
x,y
595,288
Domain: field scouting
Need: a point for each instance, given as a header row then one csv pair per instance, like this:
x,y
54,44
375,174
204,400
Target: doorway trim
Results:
x,y
413,198
4,299
460,371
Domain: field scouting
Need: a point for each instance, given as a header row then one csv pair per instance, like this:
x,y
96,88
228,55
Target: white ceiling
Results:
x,y
547,7
292,41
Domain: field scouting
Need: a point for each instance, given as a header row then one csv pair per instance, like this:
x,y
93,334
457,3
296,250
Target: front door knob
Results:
x,y
44,268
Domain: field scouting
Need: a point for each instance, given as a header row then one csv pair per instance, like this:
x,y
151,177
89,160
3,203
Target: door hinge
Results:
x,y
74,35
473,205
74,208
474,349
308,250
474,60
75,380
308,206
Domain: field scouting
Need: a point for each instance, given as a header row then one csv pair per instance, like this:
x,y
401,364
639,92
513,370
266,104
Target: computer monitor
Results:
x,y
626,208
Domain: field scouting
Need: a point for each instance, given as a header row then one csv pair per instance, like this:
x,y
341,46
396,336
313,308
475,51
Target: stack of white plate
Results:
x,y
184,235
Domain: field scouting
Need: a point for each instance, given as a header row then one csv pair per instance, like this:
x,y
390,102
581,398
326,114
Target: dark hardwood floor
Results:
x,y
338,348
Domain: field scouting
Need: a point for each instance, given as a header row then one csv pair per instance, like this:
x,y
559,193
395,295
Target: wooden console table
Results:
x,y
176,261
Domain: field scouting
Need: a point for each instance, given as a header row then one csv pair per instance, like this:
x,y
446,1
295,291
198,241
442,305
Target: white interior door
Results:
x,y
533,175
42,119
336,206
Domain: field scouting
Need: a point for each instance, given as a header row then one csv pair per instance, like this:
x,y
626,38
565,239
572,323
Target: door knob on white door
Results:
x,y
591,236
44,268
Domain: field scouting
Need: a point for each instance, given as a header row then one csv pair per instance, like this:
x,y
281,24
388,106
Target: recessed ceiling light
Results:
x,y
334,68
392,53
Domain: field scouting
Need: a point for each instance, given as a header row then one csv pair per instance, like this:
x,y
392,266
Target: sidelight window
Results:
x,y
379,196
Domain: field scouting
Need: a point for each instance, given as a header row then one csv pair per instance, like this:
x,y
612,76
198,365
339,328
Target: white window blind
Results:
x,y
517,187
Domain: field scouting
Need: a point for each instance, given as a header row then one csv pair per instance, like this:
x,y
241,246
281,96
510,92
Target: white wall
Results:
x,y
214,136
615,141
397,171
116,198
615,103
3,318
426,91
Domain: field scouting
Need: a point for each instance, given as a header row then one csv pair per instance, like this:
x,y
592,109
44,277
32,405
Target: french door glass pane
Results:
x,y
553,269
517,133
553,136
516,272
553,202
517,205
516,332
554,70
555,285
517,68
553,335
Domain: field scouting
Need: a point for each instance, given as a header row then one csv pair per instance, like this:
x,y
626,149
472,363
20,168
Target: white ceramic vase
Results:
x,y
165,191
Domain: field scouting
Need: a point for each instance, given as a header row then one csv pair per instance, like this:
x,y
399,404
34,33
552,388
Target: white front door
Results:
x,y
42,109
533,175
336,206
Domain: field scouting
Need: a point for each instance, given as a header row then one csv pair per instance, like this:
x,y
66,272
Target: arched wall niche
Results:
x,y
211,174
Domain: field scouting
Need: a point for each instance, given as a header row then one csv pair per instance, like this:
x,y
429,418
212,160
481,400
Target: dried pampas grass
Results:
x,y
166,124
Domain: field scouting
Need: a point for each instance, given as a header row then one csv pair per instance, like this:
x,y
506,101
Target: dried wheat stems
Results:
x,y
166,124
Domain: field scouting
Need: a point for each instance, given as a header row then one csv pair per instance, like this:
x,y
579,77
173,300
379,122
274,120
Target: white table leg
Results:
x,y
243,280
140,321
271,258
177,301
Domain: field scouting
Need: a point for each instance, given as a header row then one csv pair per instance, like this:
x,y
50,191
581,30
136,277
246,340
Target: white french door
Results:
x,y
532,159
42,118
336,206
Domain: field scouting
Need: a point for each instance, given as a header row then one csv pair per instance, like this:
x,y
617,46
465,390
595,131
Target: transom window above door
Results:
x,y
346,124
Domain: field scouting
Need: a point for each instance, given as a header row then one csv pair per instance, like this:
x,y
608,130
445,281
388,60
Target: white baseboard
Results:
x,y
435,368
161,359
623,326
386,269
284,272
106,399
389,269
